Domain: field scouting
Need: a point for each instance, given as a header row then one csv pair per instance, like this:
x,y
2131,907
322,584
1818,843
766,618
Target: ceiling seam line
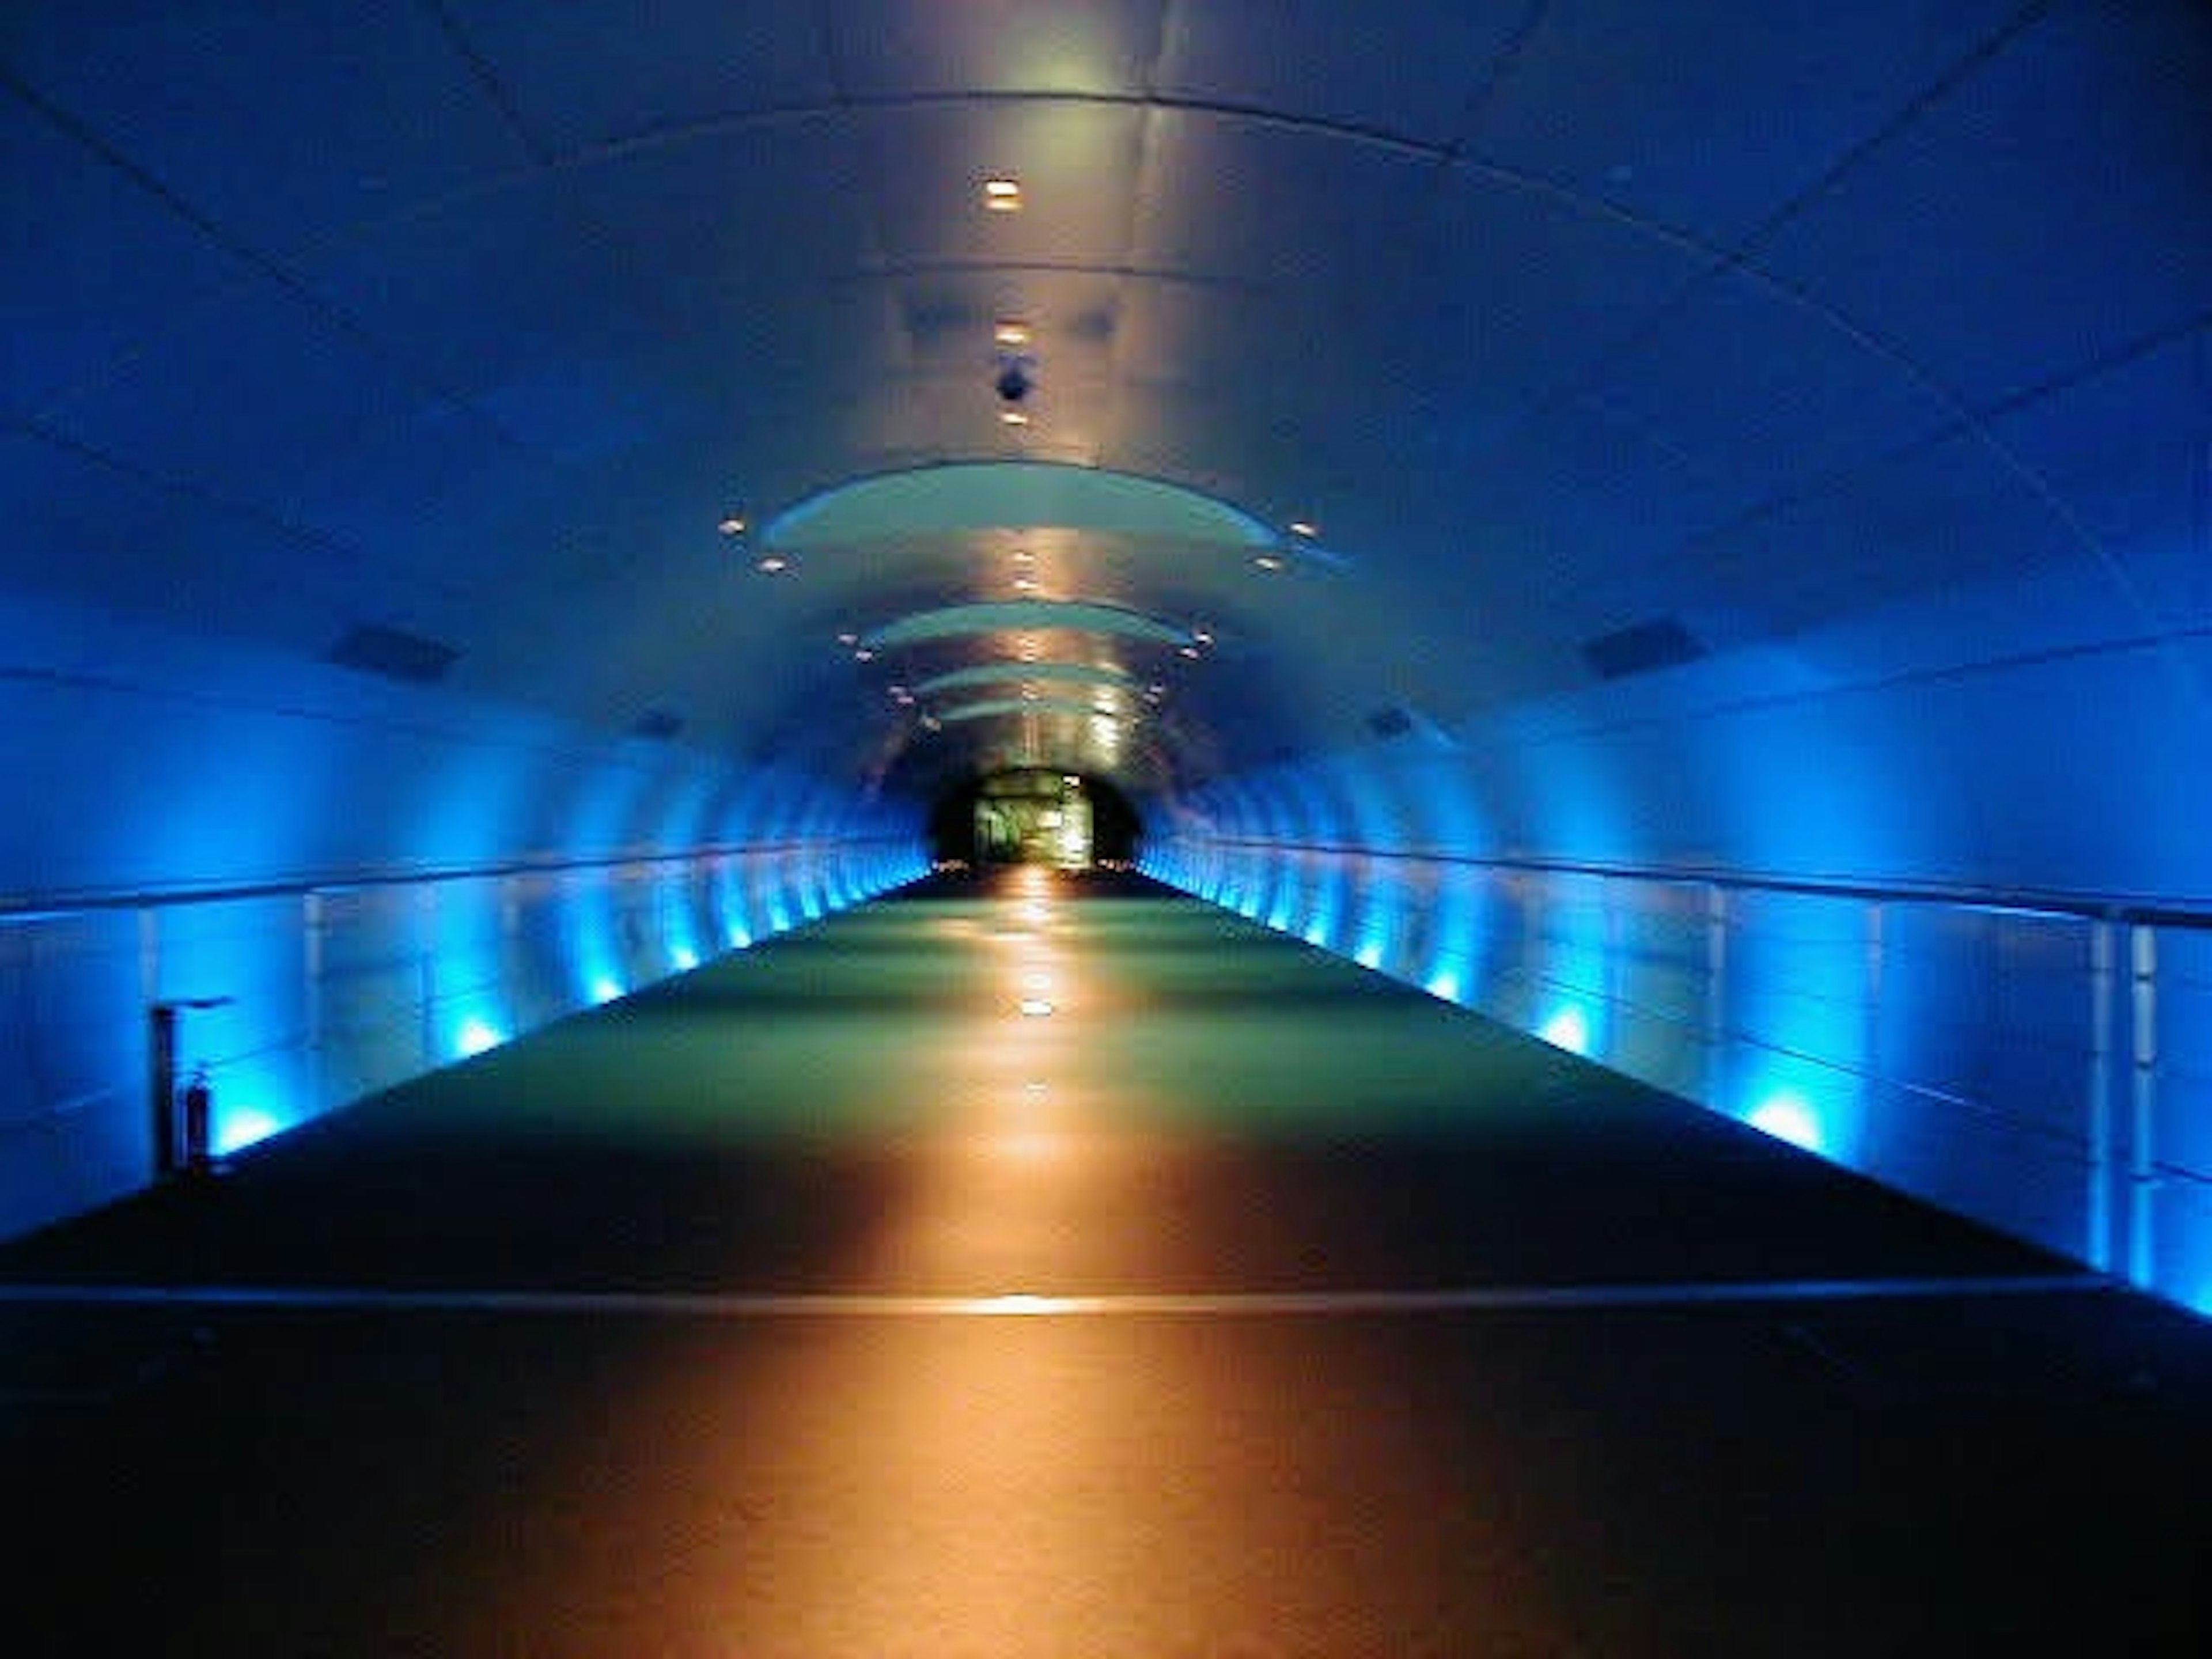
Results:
x,y
254,512
2123,646
1949,431
254,258
489,82
1968,64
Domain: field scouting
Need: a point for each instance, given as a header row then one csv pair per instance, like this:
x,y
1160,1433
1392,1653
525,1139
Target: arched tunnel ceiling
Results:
x,y
1507,349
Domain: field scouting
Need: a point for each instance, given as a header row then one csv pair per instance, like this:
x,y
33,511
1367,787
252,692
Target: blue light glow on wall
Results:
x,y
237,1127
475,1035
1567,1028
1787,1116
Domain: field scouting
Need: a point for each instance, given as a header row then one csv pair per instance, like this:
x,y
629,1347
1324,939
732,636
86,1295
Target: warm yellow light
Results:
x,y
1002,195
1011,332
1013,418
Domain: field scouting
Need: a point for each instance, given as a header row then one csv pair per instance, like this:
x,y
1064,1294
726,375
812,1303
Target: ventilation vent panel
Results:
x,y
393,654
1664,643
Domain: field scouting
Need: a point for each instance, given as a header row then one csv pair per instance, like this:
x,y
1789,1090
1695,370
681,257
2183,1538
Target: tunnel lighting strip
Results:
x,y
1479,1298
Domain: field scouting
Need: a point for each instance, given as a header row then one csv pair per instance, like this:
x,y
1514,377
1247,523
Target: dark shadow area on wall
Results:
x,y
1035,817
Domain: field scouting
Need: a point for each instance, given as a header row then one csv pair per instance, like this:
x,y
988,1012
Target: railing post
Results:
x,y
2142,1162
311,964
426,949
2099,1087
1716,971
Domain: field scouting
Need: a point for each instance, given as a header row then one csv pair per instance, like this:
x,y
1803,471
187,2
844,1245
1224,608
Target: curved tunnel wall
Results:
x,y
1951,927
376,880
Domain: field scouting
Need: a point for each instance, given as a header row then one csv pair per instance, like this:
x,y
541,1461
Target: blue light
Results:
x,y
1788,1117
1568,1029
605,989
1370,953
1444,985
685,958
738,938
240,1127
476,1035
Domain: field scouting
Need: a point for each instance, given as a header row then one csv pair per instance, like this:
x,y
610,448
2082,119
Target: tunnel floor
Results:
x,y
1059,1267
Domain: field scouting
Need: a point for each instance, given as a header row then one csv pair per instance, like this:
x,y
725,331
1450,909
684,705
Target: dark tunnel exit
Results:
x,y
1034,816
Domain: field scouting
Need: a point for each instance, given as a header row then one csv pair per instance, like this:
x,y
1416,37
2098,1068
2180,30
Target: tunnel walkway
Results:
x,y
1056,1266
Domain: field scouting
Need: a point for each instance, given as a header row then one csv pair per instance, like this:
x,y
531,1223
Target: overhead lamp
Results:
x,y
1002,195
1305,527
1267,561
1011,331
1012,417
864,653
732,526
772,564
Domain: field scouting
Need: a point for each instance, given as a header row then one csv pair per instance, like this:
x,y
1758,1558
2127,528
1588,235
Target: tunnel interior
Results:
x,y
1034,816
1685,529
1630,583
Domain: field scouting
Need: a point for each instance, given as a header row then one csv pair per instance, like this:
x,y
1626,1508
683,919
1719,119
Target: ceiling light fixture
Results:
x,y
1003,195
1305,527
732,526
1011,331
1012,417
772,564
1269,561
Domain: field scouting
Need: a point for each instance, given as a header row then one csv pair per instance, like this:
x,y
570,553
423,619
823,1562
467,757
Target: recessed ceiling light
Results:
x,y
1266,561
1305,527
1201,636
1011,331
732,526
1025,585
1013,418
772,564
1003,195
864,655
